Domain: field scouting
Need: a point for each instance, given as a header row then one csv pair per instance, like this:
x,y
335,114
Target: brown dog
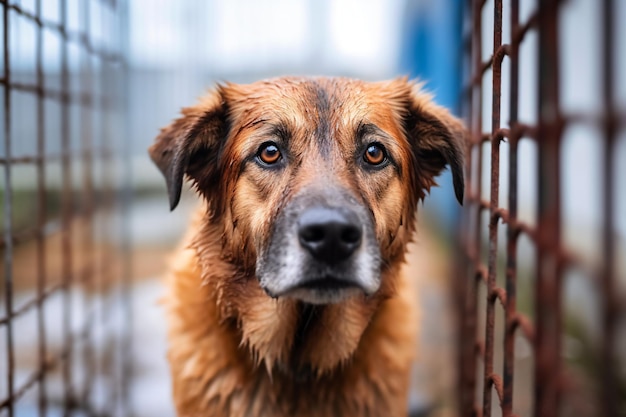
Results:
x,y
288,298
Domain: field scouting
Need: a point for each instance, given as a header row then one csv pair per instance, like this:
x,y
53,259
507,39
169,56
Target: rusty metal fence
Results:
x,y
64,307
512,301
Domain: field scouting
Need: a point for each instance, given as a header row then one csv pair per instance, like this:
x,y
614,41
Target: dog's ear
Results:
x,y
190,144
437,139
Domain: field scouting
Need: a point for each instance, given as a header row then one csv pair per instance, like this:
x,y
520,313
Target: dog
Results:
x,y
287,296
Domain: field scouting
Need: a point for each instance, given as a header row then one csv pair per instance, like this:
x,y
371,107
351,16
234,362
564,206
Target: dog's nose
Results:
x,y
329,234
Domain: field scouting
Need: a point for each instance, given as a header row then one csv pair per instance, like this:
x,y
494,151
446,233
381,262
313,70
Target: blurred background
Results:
x,y
86,226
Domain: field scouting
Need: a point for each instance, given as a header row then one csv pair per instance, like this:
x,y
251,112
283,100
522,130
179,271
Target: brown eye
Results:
x,y
269,154
375,154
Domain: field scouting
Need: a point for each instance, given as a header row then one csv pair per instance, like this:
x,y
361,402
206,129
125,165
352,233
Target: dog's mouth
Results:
x,y
327,283
327,289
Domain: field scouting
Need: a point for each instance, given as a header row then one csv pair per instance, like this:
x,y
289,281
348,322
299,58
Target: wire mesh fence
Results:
x,y
64,170
64,320
512,300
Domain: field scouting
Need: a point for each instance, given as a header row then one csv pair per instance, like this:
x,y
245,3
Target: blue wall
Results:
x,y
431,51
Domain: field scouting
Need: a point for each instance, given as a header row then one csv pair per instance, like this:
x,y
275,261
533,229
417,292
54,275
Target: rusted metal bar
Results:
x,y
522,322
519,31
51,228
511,318
51,363
493,206
58,95
547,346
66,221
81,38
30,304
49,157
462,244
468,292
126,344
87,238
8,226
41,219
610,307
488,64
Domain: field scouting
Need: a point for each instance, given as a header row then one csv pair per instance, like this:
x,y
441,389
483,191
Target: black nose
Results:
x,y
329,234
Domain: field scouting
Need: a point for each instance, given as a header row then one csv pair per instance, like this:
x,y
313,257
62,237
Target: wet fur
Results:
x,y
235,351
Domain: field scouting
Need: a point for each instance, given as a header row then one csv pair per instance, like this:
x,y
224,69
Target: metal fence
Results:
x,y
493,327
64,308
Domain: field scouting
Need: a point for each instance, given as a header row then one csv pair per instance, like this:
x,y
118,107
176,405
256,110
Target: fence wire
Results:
x,y
488,276
64,308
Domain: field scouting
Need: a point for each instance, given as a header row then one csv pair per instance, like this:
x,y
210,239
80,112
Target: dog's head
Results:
x,y
314,181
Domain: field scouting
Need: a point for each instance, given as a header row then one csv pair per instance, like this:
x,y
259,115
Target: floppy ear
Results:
x,y
190,144
438,139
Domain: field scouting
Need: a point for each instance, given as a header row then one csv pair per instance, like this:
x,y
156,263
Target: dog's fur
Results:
x,y
241,342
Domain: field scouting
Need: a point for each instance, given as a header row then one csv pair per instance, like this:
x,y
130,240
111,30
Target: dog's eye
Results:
x,y
269,153
375,154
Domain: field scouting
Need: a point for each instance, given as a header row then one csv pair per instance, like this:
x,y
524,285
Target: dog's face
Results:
x,y
314,181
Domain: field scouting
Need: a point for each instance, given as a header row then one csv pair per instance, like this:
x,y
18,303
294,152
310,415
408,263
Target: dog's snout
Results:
x,y
329,234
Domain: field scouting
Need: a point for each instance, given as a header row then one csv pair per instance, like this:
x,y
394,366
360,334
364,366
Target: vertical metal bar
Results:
x,y
8,216
493,206
512,234
109,79
41,215
549,260
461,286
464,295
120,95
86,142
66,217
469,318
610,304
109,256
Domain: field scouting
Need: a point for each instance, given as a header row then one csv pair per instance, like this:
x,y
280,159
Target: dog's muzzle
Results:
x,y
321,251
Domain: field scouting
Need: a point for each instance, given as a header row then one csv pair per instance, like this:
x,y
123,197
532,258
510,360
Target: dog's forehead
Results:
x,y
343,102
